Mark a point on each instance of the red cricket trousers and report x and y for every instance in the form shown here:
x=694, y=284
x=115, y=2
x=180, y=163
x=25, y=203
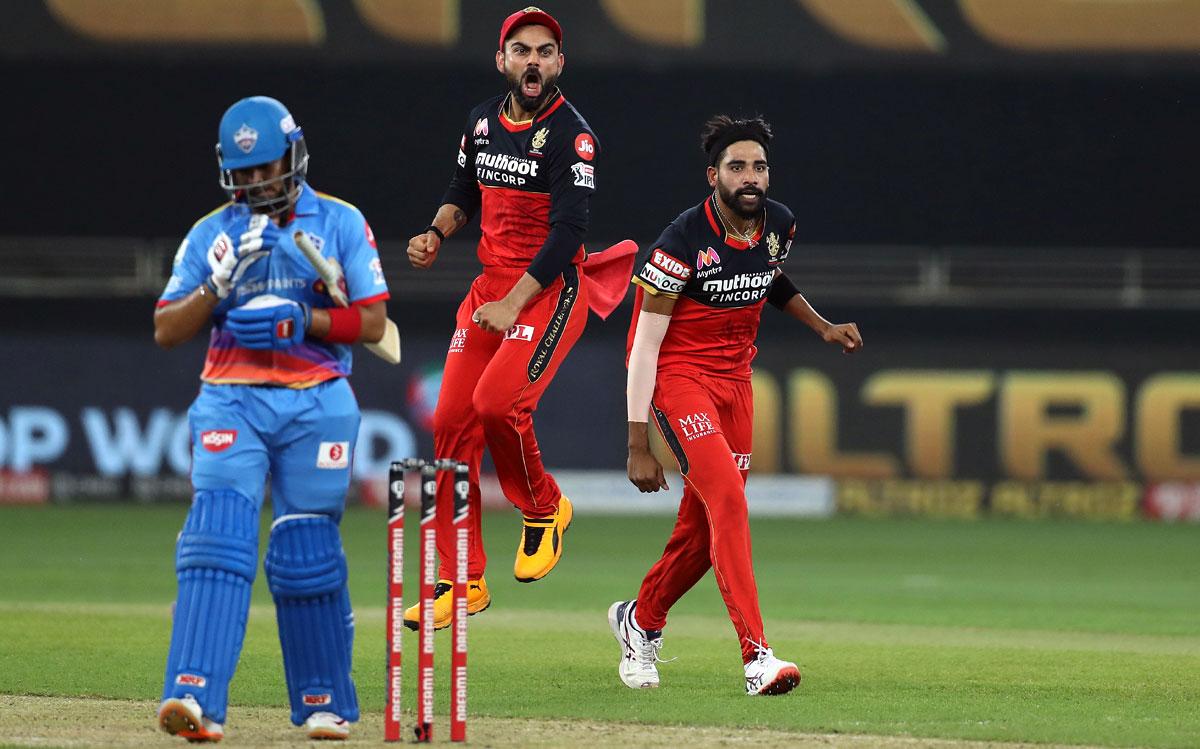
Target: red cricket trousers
x=708, y=423
x=490, y=388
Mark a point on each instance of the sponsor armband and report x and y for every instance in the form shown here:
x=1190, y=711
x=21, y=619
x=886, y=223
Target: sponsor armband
x=664, y=274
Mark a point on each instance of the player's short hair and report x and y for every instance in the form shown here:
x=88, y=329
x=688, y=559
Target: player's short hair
x=722, y=130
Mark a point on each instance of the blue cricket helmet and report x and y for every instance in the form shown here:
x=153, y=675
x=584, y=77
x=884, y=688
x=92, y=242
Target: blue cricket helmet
x=258, y=130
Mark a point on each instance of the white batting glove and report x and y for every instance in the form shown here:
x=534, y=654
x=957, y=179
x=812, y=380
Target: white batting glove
x=229, y=264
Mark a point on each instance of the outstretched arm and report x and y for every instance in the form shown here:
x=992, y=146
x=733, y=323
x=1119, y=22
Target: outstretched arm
x=788, y=298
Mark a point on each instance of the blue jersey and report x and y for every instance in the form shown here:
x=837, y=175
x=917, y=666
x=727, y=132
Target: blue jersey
x=338, y=230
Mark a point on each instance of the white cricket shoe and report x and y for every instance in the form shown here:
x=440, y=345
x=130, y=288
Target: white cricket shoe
x=767, y=674
x=639, y=648
x=182, y=716
x=326, y=726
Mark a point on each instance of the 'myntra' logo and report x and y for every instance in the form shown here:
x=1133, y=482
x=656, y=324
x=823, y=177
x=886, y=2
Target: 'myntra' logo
x=706, y=258
x=481, y=127
x=216, y=440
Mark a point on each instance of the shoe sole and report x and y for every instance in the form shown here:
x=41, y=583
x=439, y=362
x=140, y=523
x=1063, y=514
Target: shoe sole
x=176, y=720
x=327, y=734
x=414, y=626
x=562, y=537
x=785, y=681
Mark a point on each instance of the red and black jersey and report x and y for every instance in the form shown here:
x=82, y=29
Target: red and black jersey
x=532, y=181
x=719, y=282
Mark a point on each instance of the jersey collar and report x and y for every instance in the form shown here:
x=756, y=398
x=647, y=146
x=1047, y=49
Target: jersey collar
x=307, y=204
x=710, y=211
x=554, y=102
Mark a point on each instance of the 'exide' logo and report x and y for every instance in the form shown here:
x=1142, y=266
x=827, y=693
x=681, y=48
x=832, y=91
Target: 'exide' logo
x=216, y=440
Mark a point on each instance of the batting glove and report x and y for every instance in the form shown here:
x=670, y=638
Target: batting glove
x=229, y=264
x=274, y=324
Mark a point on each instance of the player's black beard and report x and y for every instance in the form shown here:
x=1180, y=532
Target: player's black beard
x=730, y=198
x=524, y=102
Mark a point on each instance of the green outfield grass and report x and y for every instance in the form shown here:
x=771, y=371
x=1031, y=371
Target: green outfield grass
x=1005, y=630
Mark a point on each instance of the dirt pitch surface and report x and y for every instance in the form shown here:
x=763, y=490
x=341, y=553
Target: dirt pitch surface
x=83, y=722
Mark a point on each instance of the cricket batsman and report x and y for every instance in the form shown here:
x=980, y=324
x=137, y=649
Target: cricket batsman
x=526, y=165
x=274, y=402
x=701, y=290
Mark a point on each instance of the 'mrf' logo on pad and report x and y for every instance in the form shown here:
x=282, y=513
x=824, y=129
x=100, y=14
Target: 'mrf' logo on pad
x=216, y=440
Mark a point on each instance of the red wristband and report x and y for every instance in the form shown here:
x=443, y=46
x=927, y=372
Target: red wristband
x=345, y=324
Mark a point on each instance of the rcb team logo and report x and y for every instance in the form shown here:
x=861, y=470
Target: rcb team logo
x=539, y=138
x=245, y=138
x=773, y=245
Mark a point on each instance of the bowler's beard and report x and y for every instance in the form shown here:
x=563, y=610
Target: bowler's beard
x=549, y=85
x=731, y=199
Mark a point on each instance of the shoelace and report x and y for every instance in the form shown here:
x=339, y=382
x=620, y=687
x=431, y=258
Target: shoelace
x=647, y=654
x=761, y=652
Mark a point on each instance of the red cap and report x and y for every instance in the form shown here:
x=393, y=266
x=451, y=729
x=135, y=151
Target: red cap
x=528, y=17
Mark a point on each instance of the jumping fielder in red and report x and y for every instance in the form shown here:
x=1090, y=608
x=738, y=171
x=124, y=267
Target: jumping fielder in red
x=702, y=286
x=526, y=163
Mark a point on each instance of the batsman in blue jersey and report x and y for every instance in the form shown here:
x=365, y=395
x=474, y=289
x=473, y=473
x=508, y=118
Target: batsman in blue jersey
x=274, y=404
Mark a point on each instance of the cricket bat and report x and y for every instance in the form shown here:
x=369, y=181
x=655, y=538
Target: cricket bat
x=388, y=347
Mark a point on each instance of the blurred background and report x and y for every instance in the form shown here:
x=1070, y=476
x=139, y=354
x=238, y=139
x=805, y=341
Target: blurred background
x=1001, y=193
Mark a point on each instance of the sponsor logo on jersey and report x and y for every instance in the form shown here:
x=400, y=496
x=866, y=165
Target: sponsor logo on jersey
x=500, y=167
x=376, y=270
x=585, y=175
x=216, y=440
x=742, y=461
x=670, y=265
x=462, y=156
x=480, y=133
x=370, y=234
x=333, y=455
x=744, y=287
x=741, y=281
x=191, y=680
x=585, y=146
x=318, y=699
x=707, y=257
x=519, y=333
x=245, y=137
x=458, y=341
x=697, y=425
x=652, y=275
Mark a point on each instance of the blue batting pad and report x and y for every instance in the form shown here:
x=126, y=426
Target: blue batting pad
x=306, y=569
x=215, y=561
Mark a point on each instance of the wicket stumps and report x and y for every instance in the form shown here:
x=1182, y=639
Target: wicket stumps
x=428, y=582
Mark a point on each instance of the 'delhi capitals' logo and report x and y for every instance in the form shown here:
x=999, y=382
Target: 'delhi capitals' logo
x=245, y=138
